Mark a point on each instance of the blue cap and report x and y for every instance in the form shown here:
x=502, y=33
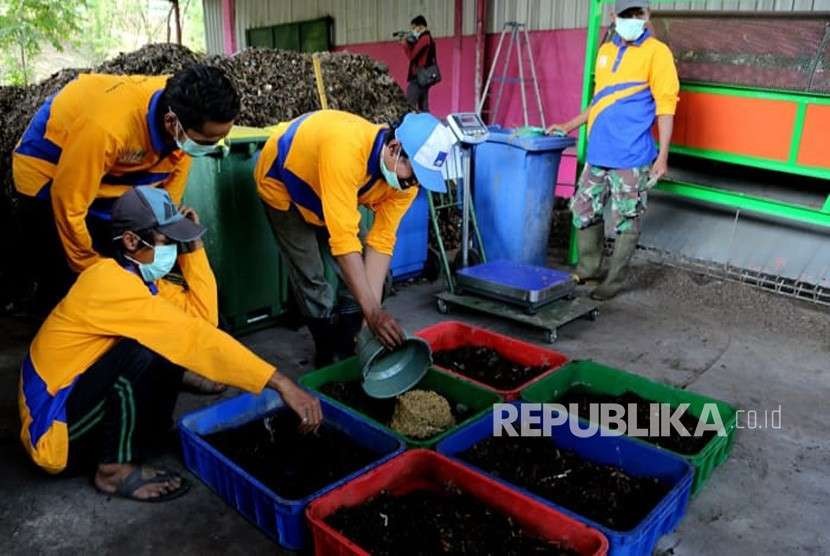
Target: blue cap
x=427, y=142
x=151, y=208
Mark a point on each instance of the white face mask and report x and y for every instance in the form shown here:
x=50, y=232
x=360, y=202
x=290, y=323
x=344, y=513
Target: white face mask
x=630, y=29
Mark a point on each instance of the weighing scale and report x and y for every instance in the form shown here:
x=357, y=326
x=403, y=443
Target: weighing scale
x=533, y=295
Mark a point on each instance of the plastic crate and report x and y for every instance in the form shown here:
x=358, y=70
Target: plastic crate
x=279, y=518
x=453, y=334
x=423, y=469
x=635, y=458
x=454, y=389
x=607, y=380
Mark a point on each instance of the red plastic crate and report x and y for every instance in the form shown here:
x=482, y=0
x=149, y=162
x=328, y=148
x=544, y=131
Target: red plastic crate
x=418, y=469
x=453, y=334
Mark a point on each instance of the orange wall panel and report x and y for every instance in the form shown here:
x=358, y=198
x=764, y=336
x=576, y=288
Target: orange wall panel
x=738, y=125
x=815, y=141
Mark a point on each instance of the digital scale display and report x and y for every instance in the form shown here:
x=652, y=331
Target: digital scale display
x=468, y=127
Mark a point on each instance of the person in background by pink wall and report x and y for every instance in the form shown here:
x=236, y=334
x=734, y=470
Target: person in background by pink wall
x=420, y=51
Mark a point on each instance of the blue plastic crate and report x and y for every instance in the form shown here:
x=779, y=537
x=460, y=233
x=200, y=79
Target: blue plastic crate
x=410, y=253
x=281, y=519
x=635, y=458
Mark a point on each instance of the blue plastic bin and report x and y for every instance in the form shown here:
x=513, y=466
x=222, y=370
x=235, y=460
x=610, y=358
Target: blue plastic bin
x=281, y=519
x=634, y=458
x=410, y=253
x=513, y=185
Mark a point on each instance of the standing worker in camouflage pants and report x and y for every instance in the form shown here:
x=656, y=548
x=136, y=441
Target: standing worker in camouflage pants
x=636, y=83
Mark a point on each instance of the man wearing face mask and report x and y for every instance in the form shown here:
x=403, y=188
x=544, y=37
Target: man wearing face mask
x=636, y=84
x=312, y=175
x=99, y=382
x=102, y=135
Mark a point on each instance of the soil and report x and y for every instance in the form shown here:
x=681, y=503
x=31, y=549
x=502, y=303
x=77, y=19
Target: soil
x=436, y=522
x=488, y=366
x=351, y=394
x=422, y=414
x=687, y=445
x=292, y=464
x=602, y=493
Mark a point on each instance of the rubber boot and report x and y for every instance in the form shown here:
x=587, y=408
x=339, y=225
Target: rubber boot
x=590, y=241
x=624, y=248
x=324, y=333
x=345, y=343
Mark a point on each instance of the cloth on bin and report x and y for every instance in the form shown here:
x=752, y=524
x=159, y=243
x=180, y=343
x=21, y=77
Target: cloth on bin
x=628, y=190
x=421, y=414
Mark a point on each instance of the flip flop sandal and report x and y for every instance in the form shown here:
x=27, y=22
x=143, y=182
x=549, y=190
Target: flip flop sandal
x=134, y=481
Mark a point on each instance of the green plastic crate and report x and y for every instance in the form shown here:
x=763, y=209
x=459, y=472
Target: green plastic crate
x=454, y=389
x=606, y=380
x=252, y=281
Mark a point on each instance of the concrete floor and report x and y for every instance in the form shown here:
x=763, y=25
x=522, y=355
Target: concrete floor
x=747, y=347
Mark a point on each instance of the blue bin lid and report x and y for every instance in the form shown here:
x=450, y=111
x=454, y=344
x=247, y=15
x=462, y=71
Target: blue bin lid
x=508, y=136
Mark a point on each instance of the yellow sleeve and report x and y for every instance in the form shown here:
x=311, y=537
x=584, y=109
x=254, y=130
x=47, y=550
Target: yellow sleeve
x=122, y=306
x=664, y=82
x=87, y=155
x=198, y=298
x=340, y=178
x=388, y=215
x=177, y=181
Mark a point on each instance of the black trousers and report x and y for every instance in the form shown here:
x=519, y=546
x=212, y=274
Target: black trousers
x=120, y=405
x=417, y=96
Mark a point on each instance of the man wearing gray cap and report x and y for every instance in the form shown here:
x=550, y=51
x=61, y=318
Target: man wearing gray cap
x=635, y=84
x=101, y=377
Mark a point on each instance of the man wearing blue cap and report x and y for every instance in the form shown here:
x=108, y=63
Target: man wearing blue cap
x=312, y=175
x=101, y=377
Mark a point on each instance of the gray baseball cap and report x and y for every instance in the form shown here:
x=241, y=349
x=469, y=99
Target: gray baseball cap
x=621, y=5
x=150, y=208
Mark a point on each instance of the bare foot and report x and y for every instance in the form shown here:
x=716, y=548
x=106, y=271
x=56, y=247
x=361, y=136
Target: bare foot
x=111, y=475
x=196, y=384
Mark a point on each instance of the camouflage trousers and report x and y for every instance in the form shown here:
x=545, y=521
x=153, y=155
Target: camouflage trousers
x=627, y=189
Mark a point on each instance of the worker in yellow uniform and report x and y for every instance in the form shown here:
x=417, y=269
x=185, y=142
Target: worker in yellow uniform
x=100, y=378
x=312, y=175
x=636, y=87
x=101, y=135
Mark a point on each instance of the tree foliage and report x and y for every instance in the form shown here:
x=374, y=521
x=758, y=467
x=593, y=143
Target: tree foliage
x=27, y=25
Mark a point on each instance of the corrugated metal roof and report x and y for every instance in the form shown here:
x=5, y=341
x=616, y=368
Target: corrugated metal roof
x=359, y=21
x=214, y=41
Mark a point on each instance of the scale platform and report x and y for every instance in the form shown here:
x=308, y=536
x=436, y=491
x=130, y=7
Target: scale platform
x=530, y=287
x=549, y=318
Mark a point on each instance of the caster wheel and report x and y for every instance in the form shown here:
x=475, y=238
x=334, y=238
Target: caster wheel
x=442, y=307
x=593, y=315
x=551, y=336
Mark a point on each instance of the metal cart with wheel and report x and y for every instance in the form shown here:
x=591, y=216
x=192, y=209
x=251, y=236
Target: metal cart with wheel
x=534, y=296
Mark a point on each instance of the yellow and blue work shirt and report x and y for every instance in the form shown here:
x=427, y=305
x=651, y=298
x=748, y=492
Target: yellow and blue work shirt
x=634, y=83
x=327, y=163
x=109, y=302
x=94, y=139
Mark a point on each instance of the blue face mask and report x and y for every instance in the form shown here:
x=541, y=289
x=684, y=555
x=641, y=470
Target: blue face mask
x=190, y=146
x=390, y=176
x=164, y=257
x=630, y=29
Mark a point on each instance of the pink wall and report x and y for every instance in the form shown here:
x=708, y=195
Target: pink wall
x=559, y=59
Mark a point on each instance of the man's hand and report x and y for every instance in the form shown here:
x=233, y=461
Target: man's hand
x=385, y=328
x=190, y=212
x=560, y=129
x=658, y=169
x=306, y=406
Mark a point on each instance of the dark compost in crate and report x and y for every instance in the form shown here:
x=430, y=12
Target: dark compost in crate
x=436, y=522
x=486, y=365
x=292, y=464
x=686, y=445
x=602, y=493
